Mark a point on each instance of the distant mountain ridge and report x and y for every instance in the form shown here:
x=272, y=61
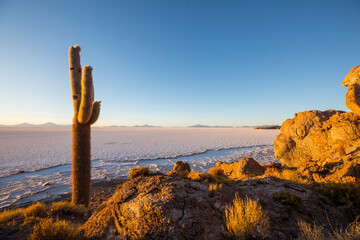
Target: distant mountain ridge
x=43, y=125
x=206, y=126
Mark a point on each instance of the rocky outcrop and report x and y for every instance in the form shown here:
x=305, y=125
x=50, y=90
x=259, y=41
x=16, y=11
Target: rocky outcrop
x=163, y=207
x=315, y=136
x=352, y=81
x=160, y=207
x=238, y=169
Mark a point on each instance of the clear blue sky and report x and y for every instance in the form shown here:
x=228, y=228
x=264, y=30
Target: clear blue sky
x=178, y=63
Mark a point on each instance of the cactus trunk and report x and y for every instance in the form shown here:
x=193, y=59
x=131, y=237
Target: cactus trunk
x=86, y=112
x=81, y=163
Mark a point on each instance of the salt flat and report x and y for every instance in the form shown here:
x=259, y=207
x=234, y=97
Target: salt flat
x=36, y=162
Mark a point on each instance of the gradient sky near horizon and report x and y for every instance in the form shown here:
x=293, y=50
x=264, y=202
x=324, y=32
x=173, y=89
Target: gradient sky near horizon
x=178, y=63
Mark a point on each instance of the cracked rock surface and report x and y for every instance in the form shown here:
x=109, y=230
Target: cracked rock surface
x=163, y=207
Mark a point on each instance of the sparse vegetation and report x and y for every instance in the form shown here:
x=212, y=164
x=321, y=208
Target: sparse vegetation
x=213, y=188
x=245, y=218
x=195, y=176
x=310, y=232
x=35, y=210
x=351, y=232
x=139, y=171
x=315, y=232
x=343, y=193
x=218, y=172
x=59, y=230
x=9, y=215
x=67, y=208
x=287, y=174
x=214, y=176
x=287, y=198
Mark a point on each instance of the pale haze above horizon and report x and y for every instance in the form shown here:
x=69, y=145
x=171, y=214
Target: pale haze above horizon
x=178, y=63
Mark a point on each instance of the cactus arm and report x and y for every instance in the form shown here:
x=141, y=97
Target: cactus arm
x=353, y=98
x=75, y=76
x=87, y=96
x=95, y=113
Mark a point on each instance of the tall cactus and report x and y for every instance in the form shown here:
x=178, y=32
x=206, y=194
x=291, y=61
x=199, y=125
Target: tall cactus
x=86, y=112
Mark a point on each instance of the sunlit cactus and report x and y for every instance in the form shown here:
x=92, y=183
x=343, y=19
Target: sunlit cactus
x=86, y=112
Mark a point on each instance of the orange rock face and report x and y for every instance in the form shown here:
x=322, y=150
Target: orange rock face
x=315, y=136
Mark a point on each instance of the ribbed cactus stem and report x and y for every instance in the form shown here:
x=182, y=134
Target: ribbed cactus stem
x=86, y=112
x=81, y=163
x=87, y=95
x=96, y=112
x=75, y=76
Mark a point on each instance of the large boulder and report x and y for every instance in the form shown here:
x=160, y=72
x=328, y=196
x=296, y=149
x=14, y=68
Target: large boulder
x=316, y=136
x=164, y=207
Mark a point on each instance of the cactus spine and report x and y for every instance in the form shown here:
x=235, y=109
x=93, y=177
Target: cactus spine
x=86, y=112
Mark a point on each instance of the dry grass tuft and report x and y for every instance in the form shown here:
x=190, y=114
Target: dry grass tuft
x=31, y=221
x=245, y=219
x=58, y=230
x=139, y=171
x=310, y=232
x=213, y=188
x=9, y=215
x=287, y=174
x=352, y=232
x=288, y=199
x=315, y=232
x=35, y=210
x=67, y=208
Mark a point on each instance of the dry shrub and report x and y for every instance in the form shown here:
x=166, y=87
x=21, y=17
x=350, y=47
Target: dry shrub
x=214, y=176
x=218, y=172
x=351, y=232
x=139, y=171
x=315, y=232
x=31, y=221
x=151, y=221
x=287, y=174
x=245, y=219
x=9, y=215
x=310, y=232
x=183, y=175
x=344, y=193
x=213, y=188
x=195, y=176
x=58, y=230
x=35, y=210
x=288, y=199
x=67, y=208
